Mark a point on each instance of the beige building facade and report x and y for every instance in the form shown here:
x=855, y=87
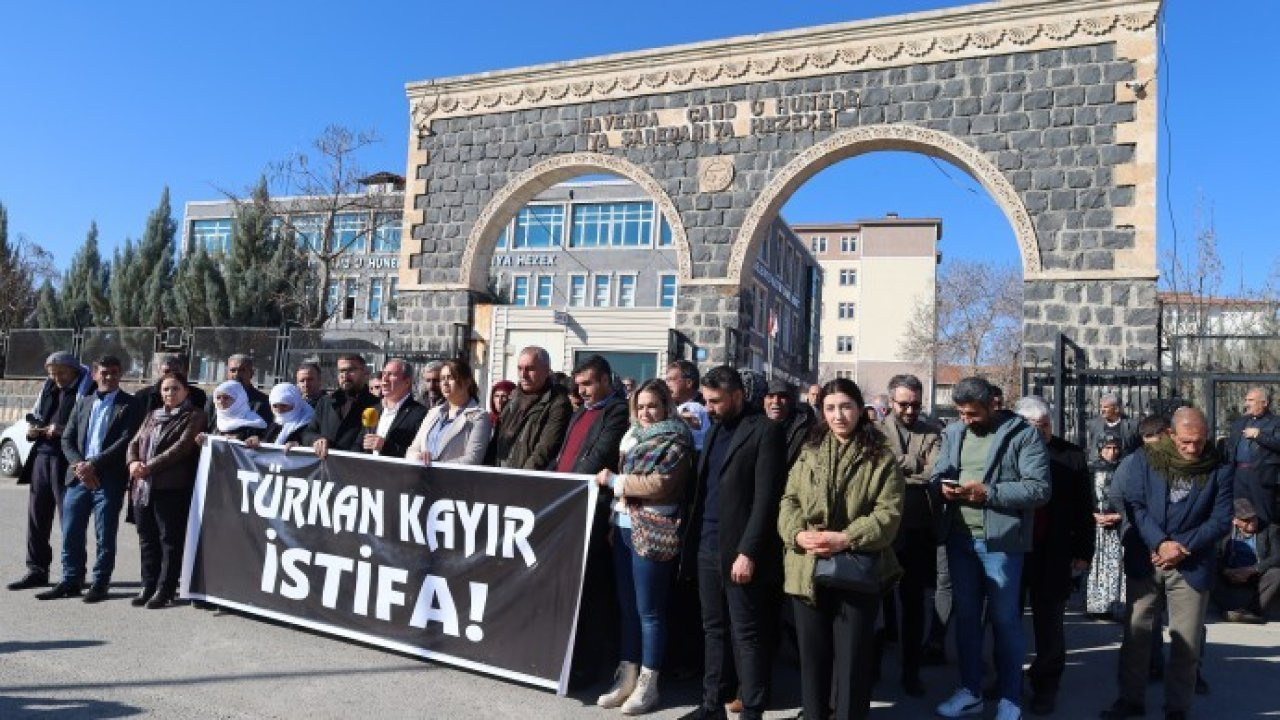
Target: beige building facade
x=876, y=272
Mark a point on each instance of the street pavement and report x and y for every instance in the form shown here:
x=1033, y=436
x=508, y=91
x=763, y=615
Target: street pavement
x=64, y=659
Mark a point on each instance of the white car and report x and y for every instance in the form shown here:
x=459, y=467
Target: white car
x=15, y=448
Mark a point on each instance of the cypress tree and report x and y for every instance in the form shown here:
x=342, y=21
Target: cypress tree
x=83, y=297
x=49, y=312
x=154, y=263
x=123, y=287
x=251, y=280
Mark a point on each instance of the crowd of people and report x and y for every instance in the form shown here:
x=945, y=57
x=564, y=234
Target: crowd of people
x=737, y=520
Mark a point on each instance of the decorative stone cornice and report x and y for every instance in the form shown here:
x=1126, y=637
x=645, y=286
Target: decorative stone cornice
x=965, y=32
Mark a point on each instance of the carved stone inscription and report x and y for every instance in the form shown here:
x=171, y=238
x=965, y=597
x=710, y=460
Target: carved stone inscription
x=722, y=121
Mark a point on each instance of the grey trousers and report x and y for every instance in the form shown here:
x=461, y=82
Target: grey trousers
x=1187, y=608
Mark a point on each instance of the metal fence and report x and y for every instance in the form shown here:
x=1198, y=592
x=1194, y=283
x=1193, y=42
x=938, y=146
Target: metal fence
x=1074, y=390
x=27, y=349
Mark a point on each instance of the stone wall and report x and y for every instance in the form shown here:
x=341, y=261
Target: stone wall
x=1046, y=121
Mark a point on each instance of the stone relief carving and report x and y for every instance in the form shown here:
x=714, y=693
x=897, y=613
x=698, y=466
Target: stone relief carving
x=847, y=143
x=715, y=174
x=505, y=199
x=810, y=62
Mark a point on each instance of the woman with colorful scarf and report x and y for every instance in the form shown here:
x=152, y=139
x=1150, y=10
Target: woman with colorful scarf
x=844, y=493
x=1104, y=588
x=162, y=460
x=657, y=460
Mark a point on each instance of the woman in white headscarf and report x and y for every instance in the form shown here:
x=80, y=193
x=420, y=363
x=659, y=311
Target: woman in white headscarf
x=233, y=418
x=292, y=415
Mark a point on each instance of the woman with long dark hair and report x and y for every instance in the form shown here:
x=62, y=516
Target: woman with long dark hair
x=844, y=494
x=162, y=460
x=657, y=460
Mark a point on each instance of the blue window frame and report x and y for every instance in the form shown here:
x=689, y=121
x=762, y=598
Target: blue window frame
x=619, y=224
x=545, y=285
x=520, y=290
x=375, y=299
x=626, y=291
x=213, y=234
x=577, y=290
x=309, y=229
x=602, y=291
x=539, y=226
x=348, y=232
x=386, y=232
x=664, y=233
x=667, y=291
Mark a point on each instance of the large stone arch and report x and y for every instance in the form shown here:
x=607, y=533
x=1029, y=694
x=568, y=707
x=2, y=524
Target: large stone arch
x=1050, y=104
x=858, y=141
x=528, y=184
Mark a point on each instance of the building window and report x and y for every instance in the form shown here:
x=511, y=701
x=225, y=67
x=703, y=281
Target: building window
x=849, y=244
x=213, y=235
x=600, y=295
x=667, y=291
x=762, y=306
x=848, y=277
x=846, y=311
x=386, y=232
x=375, y=299
x=348, y=232
x=620, y=224
x=349, y=302
x=502, y=237
x=545, y=285
x=578, y=290
x=393, y=298
x=331, y=298
x=539, y=226
x=845, y=374
x=818, y=244
x=308, y=230
x=520, y=290
x=844, y=343
x=664, y=233
x=626, y=291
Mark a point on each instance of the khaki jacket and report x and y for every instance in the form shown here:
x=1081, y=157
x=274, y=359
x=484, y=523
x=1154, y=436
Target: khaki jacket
x=855, y=494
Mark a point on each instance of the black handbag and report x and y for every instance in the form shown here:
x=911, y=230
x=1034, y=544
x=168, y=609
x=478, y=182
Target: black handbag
x=849, y=571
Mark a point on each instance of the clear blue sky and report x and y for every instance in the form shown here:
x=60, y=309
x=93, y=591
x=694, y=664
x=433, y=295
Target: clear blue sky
x=106, y=103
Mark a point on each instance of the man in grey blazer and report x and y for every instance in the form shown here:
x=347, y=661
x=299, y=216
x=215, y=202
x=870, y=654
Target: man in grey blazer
x=94, y=443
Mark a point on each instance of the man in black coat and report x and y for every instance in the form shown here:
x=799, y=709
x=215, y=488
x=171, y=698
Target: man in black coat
x=337, y=422
x=169, y=365
x=733, y=532
x=1111, y=420
x=1254, y=449
x=399, y=415
x=46, y=468
x=94, y=443
x=591, y=443
x=780, y=406
x=1063, y=544
x=240, y=369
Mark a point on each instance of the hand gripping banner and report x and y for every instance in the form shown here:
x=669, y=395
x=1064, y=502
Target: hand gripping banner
x=471, y=566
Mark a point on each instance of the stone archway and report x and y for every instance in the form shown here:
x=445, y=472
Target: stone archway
x=525, y=186
x=871, y=138
x=1050, y=104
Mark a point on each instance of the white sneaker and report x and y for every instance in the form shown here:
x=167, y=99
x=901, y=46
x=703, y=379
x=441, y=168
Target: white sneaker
x=1008, y=710
x=624, y=682
x=645, y=697
x=962, y=704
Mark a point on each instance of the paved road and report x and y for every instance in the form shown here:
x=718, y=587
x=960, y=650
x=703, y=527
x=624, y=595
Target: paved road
x=65, y=659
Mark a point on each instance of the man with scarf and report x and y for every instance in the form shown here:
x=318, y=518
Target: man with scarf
x=1177, y=495
x=47, y=469
x=591, y=444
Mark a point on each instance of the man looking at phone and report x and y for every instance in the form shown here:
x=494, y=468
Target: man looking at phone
x=992, y=472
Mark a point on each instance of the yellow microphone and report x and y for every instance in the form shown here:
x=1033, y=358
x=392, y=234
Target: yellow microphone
x=369, y=419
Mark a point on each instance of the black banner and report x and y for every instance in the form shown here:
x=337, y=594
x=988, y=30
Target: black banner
x=471, y=566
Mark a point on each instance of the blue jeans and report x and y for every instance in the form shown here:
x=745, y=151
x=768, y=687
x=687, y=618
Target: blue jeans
x=996, y=577
x=643, y=586
x=78, y=504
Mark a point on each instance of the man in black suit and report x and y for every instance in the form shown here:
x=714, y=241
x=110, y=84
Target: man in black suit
x=590, y=445
x=1062, y=544
x=739, y=555
x=46, y=467
x=97, y=436
x=399, y=415
x=1254, y=448
x=336, y=424
x=240, y=369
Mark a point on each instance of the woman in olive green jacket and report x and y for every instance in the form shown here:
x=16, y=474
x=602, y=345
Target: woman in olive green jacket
x=843, y=493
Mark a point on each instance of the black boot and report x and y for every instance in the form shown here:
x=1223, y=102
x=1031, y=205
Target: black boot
x=32, y=579
x=160, y=599
x=97, y=592
x=64, y=589
x=141, y=598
